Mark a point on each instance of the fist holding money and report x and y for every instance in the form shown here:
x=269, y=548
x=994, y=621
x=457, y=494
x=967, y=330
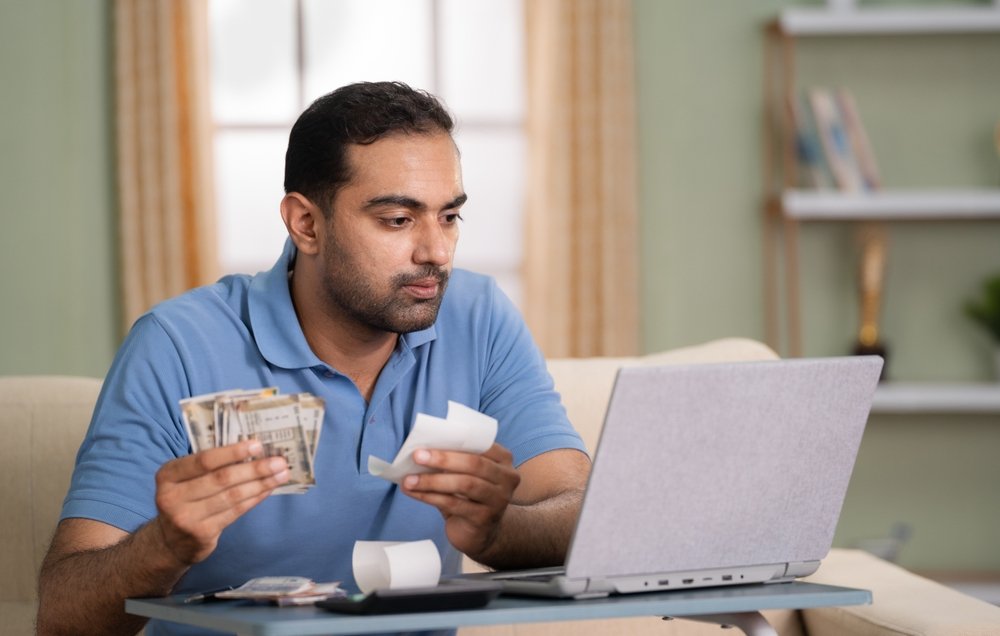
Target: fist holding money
x=286, y=425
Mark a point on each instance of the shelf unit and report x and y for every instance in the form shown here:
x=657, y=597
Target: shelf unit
x=919, y=397
x=891, y=205
x=889, y=21
x=785, y=207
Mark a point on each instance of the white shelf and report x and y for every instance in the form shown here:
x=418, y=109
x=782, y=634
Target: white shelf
x=828, y=205
x=883, y=21
x=917, y=397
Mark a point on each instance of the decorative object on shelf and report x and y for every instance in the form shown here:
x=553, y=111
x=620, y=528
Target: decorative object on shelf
x=985, y=310
x=871, y=274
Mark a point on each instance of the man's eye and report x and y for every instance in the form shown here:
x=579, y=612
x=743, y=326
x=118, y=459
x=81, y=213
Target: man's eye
x=453, y=218
x=397, y=221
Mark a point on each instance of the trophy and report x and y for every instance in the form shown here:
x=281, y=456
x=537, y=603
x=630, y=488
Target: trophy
x=871, y=272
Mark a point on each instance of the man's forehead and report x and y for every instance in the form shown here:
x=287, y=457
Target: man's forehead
x=415, y=171
x=399, y=155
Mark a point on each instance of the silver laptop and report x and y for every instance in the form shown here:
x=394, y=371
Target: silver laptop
x=715, y=474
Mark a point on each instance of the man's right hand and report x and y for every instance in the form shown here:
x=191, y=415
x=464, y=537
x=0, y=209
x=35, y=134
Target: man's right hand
x=199, y=495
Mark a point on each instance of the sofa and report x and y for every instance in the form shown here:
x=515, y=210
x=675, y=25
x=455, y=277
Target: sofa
x=43, y=419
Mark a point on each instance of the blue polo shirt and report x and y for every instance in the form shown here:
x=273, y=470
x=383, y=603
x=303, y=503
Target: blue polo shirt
x=242, y=332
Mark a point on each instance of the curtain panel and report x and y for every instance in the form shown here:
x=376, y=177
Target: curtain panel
x=581, y=244
x=164, y=162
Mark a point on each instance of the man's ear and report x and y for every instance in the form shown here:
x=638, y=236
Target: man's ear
x=302, y=220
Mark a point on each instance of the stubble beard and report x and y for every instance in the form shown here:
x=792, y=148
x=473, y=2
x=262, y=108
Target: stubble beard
x=394, y=311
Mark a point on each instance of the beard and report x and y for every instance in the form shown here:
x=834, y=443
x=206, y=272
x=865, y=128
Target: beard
x=394, y=310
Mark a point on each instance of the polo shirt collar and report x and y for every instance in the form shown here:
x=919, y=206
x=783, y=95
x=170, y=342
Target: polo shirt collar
x=276, y=327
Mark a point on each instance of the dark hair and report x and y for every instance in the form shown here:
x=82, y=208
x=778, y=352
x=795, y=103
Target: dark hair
x=362, y=113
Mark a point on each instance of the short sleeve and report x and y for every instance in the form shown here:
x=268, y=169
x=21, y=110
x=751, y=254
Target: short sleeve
x=518, y=389
x=135, y=429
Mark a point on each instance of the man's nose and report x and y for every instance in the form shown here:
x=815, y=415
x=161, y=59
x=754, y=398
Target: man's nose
x=434, y=244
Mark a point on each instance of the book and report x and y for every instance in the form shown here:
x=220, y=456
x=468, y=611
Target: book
x=835, y=142
x=813, y=169
x=858, y=136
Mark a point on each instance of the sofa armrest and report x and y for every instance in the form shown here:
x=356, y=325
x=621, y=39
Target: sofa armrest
x=903, y=603
x=42, y=421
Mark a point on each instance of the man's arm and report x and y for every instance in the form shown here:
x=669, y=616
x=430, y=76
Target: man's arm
x=503, y=517
x=92, y=567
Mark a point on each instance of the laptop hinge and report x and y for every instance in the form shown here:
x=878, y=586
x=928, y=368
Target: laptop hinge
x=801, y=568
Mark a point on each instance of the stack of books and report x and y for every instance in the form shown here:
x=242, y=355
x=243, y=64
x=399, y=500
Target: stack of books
x=833, y=148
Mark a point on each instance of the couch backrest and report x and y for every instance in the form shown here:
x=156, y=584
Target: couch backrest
x=585, y=383
x=42, y=421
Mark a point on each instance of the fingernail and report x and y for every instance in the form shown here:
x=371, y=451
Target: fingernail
x=278, y=464
x=255, y=447
x=421, y=456
x=410, y=481
x=281, y=477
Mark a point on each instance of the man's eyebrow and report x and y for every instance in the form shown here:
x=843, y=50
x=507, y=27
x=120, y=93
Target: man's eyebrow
x=457, y=202
x=403, y=201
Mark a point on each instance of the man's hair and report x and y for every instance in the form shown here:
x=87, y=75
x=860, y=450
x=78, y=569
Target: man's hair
x=316, y=161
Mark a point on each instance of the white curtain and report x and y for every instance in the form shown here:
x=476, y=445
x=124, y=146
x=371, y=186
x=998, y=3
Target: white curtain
x=167, y=225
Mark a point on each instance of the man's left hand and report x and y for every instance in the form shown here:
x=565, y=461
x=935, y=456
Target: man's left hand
x=472, y=492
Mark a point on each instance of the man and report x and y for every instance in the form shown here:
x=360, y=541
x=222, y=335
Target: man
x=356, y=312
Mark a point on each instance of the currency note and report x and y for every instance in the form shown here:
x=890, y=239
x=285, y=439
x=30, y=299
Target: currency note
x=275, y=422
x=311, y=409
x=287, y=425
x=198, y=413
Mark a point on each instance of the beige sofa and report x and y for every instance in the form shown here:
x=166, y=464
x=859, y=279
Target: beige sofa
x=42, y=420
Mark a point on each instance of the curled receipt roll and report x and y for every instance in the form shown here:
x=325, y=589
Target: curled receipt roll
x=394, y=564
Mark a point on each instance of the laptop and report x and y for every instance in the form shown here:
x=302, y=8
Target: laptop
x=713, y=475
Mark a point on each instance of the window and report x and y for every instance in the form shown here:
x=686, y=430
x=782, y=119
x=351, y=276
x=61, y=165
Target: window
x=271, y=58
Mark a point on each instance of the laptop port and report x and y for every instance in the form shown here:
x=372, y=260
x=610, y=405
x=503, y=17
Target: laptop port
x=727, y=577
x=663, y=582
x=687, y=581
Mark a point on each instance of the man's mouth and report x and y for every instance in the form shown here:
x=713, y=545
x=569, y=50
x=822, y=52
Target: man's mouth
x=425, y=287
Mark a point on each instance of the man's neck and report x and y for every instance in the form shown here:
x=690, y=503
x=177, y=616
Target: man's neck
x=355, y=350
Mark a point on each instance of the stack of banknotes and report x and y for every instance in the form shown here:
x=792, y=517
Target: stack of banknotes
x=286, y=425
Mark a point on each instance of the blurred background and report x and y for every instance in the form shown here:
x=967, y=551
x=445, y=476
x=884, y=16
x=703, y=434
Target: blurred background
x=685, y=210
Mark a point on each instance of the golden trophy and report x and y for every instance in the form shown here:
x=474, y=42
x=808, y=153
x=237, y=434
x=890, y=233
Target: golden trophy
x=871, y=273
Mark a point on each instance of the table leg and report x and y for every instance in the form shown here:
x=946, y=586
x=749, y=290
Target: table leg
x=752, y=623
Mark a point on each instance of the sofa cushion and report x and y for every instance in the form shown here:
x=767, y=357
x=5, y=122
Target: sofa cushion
x=903, y=603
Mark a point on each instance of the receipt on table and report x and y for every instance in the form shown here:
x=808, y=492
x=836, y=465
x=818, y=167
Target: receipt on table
x=394, y=564
x=464, y=429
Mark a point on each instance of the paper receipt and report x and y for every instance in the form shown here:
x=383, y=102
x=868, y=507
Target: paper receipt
x=464, y=429
x=394, y=564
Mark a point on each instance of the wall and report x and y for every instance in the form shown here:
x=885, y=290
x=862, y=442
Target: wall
x=57, y=288
x=930, y=104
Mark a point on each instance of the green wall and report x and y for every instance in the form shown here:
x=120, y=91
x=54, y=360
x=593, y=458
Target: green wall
x=58, y=311
x=930, y=104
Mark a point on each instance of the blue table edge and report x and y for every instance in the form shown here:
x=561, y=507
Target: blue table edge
x=265, y=620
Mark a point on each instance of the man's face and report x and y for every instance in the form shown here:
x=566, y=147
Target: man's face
x=392, y=234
